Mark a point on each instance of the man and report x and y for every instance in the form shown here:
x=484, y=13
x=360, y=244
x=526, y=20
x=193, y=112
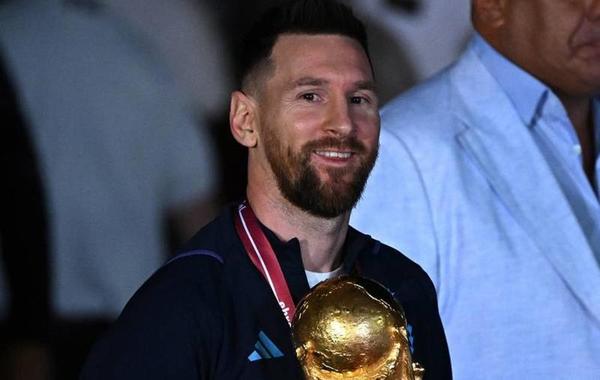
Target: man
x=308, y=115
x=488, y=177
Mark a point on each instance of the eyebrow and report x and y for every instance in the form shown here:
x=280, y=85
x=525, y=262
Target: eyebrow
x=311, y=81
x=366, y=85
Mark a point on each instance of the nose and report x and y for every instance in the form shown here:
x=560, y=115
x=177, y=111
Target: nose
x=339, y=118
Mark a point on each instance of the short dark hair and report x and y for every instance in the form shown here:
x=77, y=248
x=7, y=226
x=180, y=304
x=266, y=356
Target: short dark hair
x=297, y=17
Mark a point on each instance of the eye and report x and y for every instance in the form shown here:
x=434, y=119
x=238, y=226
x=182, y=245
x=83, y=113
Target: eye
x=359, y=100
x=310, y=97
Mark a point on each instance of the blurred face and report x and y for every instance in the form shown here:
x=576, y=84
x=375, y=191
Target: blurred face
x=558, y=41
x=319, y=122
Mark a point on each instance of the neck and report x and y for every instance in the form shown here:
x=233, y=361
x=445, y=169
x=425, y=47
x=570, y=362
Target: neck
x=320, y=239
x=579, y=109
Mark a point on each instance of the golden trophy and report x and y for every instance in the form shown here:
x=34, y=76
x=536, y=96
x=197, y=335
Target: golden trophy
x=352, y=328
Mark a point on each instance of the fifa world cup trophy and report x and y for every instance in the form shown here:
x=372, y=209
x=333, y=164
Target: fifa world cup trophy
x=353, y=328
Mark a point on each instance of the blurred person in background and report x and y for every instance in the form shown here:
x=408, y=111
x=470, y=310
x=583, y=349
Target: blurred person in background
x=488, y=178
x=118, y=152
x=190, y=39
x=195, y=38
x=187, y=34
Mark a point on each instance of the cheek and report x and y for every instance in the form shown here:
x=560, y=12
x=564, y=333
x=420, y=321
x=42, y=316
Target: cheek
x=302, y=113
x=549, y=52
x=304, y=127
x=368, y=125
x=303, y=110
x=288, y=125
x=557, y=31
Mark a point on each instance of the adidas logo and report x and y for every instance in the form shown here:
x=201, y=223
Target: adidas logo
x=264, y=348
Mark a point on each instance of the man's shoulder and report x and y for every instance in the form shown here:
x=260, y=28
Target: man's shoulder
x=216, y=240
x=420, y=117
x=387, y=260
x=434, y=107
x=197, y=267
x=420, y=101
x=174, y=315
x=403, y=277
x=399, y=261
x=431, y=91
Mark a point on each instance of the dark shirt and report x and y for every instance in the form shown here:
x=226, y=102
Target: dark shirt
x=209, y=314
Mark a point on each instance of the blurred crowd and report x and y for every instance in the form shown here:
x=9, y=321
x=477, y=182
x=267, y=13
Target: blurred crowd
x=116, y=147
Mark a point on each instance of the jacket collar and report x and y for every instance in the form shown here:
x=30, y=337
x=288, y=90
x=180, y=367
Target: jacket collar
x=525, y=92
x=290, y=258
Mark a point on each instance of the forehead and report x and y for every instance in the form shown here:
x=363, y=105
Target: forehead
x=322, y=55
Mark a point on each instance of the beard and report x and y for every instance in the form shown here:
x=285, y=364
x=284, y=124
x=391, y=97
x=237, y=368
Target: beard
x=299, y=181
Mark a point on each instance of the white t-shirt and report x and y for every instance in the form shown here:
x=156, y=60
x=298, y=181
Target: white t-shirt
x=315, y=277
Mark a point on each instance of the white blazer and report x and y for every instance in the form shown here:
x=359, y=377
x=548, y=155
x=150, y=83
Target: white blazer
x=461, y=187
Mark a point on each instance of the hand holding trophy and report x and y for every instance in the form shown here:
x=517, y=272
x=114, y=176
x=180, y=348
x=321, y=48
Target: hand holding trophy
x=352, y=328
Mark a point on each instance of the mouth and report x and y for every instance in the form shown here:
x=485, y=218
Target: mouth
x=590, y=51
x=334, y=154
x=587, y=43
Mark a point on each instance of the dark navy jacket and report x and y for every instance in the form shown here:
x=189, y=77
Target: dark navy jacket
x=209, y=314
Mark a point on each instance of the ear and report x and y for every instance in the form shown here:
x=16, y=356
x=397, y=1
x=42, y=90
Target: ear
x=242, y=119
x=489, y=13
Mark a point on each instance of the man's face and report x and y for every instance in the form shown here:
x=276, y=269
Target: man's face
x=558, y=41
x=319, y=121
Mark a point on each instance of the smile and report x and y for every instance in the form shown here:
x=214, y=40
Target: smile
x=333, y=154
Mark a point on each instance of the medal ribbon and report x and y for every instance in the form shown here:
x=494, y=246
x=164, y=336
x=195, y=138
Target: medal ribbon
x=263, y=257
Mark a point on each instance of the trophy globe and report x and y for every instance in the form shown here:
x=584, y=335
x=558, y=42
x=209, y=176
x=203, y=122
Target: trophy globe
x=352, y=328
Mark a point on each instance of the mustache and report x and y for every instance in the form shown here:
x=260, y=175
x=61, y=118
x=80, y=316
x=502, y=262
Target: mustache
x=347, y=143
